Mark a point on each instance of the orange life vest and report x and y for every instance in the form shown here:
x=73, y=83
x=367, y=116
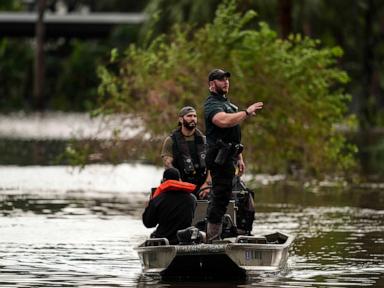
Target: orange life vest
x=174, y=185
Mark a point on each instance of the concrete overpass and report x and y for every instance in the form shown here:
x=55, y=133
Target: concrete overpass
x=92, y=25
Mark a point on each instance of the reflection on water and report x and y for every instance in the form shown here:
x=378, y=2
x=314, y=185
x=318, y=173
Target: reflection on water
x=67, y=238
x=68, y=252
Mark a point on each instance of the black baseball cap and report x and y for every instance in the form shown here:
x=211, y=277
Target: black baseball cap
x=218, y=74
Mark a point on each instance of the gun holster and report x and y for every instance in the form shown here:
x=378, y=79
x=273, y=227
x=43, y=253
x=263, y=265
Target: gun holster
x=227, y=151
x=223, y=154
x=238, y=148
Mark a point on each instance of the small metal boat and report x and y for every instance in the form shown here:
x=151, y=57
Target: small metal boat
x=230, y=258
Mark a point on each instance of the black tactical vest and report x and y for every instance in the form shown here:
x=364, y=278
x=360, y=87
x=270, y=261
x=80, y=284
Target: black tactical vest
x=189, y=157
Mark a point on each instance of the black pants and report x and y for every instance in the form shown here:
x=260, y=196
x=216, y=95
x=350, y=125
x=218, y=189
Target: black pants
x=222, y=176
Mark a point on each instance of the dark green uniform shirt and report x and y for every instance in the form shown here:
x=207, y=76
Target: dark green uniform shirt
x=214, y=104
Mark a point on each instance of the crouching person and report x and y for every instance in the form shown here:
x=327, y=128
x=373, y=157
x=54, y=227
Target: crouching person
x=171, y=207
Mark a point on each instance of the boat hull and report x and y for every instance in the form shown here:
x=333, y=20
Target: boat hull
x=232, y=258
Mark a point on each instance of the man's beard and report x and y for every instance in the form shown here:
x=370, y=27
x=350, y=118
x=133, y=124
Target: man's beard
x=189, y=125
x=221, y=91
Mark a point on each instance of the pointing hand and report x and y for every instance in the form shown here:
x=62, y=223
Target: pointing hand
x=254, y=107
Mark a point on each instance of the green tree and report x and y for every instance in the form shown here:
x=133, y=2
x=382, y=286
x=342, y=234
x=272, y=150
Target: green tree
x=10, y=5
x=356, y=26
x=71, y=79
x=298, y=81
x=165, y=13
x=353, y=25
x=16, y=58
x=75, y=78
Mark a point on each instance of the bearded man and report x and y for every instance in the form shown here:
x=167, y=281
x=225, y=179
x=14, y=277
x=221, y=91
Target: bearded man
x=224, y=153
x=185, y=149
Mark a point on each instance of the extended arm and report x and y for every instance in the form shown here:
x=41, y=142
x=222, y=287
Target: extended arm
x=226, y=120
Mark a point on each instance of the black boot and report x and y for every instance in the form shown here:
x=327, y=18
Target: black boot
x=213, y=231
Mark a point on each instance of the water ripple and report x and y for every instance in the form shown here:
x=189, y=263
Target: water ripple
x=88, y=242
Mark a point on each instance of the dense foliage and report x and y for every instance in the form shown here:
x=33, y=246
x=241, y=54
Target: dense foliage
x=70, y=64
x=16, y=58
x=297, y=80
x=356, y=26
x=353, y=25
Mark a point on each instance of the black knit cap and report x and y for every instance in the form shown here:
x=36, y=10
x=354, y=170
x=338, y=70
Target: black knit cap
x=218, y=74
x=171, y=174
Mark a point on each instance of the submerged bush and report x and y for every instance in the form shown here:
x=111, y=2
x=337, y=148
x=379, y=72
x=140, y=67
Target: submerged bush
x=297, y=79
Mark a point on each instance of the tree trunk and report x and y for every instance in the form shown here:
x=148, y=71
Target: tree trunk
x=39, y=57
x=369, y=107
x=285, y=17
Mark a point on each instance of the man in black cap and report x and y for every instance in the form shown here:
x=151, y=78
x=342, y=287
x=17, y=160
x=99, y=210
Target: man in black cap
x=185, y=149
x=224, y=156
x=171, y=207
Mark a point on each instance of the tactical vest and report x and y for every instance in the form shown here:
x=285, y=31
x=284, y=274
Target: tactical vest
x=189, y=157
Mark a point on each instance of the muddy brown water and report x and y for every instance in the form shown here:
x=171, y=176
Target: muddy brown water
x=84, y=239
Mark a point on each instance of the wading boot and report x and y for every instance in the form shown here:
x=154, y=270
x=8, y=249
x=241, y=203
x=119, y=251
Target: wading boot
x=213, y=231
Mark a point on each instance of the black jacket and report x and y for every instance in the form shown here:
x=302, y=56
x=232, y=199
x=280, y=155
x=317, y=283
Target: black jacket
x=172, y=211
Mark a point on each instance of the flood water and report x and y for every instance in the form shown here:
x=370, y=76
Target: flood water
x=62, y=228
